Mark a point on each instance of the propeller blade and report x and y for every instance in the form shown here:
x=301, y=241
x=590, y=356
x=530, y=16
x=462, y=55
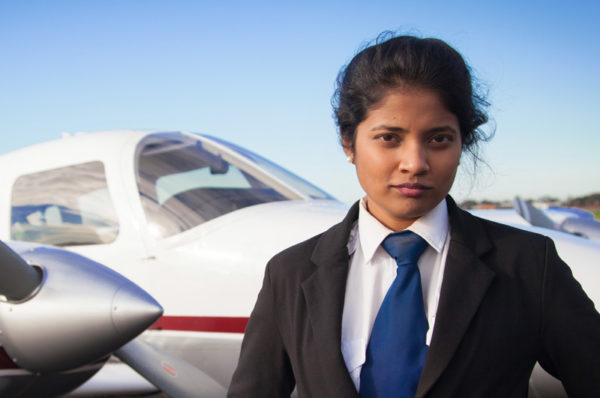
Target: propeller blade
x=171, y=374
x=19, y=279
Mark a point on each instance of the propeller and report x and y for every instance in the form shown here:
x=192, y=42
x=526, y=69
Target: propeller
x=97, y=309
x=101, y=310
x=171, y=374
x=19, y=280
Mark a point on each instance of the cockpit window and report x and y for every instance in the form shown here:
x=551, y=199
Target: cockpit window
x=279, y=172
x=184, y=182
x=64, y=207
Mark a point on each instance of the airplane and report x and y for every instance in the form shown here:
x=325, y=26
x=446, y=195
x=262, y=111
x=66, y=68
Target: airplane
x=192, y=219
x=575, y=221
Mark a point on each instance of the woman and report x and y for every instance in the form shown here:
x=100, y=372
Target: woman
x=489, y=300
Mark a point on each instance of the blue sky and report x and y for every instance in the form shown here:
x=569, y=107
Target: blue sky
x=261, y=74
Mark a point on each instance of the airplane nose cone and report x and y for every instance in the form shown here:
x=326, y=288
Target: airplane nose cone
x=133, y=310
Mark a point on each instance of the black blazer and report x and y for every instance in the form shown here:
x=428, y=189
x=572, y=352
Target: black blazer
x=507, y=301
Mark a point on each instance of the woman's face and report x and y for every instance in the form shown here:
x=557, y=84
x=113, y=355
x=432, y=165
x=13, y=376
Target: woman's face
x=406, y=153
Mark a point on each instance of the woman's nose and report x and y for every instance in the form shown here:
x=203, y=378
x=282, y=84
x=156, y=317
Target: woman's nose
x=413, y=158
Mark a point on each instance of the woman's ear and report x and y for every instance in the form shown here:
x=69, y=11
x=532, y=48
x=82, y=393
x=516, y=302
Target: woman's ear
x=348, y=150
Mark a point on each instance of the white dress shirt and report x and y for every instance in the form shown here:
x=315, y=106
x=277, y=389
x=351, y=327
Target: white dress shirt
x=372, y=271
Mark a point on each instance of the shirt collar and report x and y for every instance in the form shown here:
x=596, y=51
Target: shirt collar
x=433, y=227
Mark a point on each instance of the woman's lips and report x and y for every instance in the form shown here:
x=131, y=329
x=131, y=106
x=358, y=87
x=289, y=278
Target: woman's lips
x=412, y=190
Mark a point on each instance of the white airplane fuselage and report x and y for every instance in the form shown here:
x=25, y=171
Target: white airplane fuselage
x=206, y=277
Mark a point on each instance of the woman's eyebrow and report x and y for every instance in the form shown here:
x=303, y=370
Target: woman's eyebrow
x=441, y=129
x=397, y=129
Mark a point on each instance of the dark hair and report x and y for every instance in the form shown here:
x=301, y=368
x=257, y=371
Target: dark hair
x=408, y=61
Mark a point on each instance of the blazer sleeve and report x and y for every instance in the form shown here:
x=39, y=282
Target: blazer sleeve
x=570, y=329
x=264, y=368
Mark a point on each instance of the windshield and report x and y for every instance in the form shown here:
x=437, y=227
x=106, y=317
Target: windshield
x=279, y=172
x=184, y=182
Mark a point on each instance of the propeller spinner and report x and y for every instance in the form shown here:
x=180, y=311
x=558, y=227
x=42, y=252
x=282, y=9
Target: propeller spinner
x=77, y=312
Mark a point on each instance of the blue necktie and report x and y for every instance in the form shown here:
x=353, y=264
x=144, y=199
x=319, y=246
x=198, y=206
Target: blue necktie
x=396, y=351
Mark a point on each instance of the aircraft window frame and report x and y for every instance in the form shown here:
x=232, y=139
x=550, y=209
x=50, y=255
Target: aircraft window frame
x=188, y=208
x=64, y=206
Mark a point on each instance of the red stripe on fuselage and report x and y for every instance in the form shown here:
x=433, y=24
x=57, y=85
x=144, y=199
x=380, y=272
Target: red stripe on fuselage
x=202, y=324
x=6, y=362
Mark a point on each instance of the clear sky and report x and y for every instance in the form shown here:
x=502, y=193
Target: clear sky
x=261, y=74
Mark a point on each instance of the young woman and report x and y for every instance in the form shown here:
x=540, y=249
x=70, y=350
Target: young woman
x=458, y=306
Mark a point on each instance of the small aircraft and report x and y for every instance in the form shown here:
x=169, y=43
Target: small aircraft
x=575, y=221
x=192, y=219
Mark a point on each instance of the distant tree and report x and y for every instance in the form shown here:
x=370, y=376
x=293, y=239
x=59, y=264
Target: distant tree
x=468, y=204
x=549, y=199
x=592, y=200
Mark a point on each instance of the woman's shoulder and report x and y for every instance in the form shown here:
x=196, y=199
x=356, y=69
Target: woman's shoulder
x=298, y=252
x=328, y=246
x=510, y=234
x=474, y=227
x=504, y=248
x=287, y=269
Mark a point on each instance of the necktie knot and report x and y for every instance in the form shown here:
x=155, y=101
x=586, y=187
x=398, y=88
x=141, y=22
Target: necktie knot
x=405, y=247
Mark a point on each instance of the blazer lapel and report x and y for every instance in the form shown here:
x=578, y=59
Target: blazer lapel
x=324, y=293
x=466, y=280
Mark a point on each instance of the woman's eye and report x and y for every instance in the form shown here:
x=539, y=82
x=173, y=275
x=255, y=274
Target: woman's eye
x=442, y=138
x=388, y=138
